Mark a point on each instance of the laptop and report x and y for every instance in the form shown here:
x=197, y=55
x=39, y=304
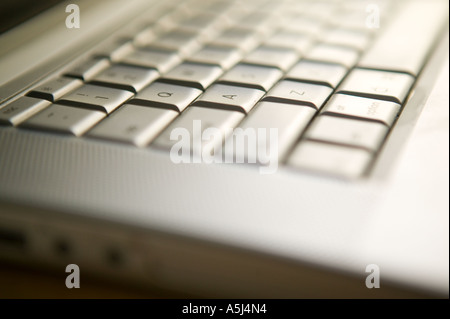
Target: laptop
x=228, y=148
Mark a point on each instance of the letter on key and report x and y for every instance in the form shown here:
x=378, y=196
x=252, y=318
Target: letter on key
x=382, y=85
x=230, y=97
x=299, y=93
x=21, y=109
x=166, y=95
x=97, y=98
x=362, y=108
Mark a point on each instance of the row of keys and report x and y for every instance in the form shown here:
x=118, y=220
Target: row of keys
x=108, y=99
x=351, y=126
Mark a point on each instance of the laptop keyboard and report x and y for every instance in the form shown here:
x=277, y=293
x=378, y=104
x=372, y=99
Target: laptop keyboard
x=320, y=72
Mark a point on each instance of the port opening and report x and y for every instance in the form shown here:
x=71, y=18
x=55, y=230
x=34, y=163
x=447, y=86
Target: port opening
x=12, y=238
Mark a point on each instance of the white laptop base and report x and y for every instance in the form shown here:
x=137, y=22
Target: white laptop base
x=222, y=230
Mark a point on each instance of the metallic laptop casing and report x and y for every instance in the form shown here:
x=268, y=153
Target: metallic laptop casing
x=221, y=230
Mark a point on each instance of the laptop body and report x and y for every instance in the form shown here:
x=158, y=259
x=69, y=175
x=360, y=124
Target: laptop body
x=220, y=230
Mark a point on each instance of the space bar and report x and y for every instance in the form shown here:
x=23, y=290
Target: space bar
x=404, y=44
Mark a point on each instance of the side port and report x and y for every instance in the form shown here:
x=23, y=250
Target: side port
x=12, y=238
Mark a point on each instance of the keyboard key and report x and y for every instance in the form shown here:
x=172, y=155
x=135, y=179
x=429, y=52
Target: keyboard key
x=126, y=77
x=88, y=69
x=97, y=98
x=160, y=60
x=304, y=25
x=290, y=40
x=257, y=77
x=199, y=21
x=230, y=97
x=333, y=54
x=144, y=36
x=346, y=37
x=240, y=38
x=54, y=89
x=133, y=124
x=368, y=135
x=21, y=109
x=404, y=44
x=168, y=96
x=261, y=22
x=289, y=121
x=204, y=24
x=114, y=49
x=340, y=161
x=183, y=42
x=299, y=93
x=195, y=120
x=65, y=119
x=279, y=58
x=316, y=72
x=322, y=11
x=216, y=6
x=221, y=56
x=194, y=75
x=382, y=85
x=362, y=108
x=356, y=19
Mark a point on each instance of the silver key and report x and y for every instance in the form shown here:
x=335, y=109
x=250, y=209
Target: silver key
x=194, y=75
x=299, y=93
x=21, y=109
x=160, y=60
x=363, y=108
x=198, y=21
x=230, y=97
x=88, y=69
x=290, y=40
x=240, y=38
x=289, y=121
x=216, y=6
x=346, y=37
x=315, y=72
x=355, y=19
x=206, y=24
x=195, y=120
x=133, y=124
x=115, y=49
x=321, y=11
x=262, y=22
x=368, y=135
x=183, y=42
x=145, y=36
x=65, y=119
x=340, y=161
x=97, y=98
x=54, y=89
x=126, y=77
x=221, y=56
x=258, y=77
x=383, y=85
x=274, y=57
x=333, y=54
x=304, y=25
x=168, y=96
x=404, y=44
